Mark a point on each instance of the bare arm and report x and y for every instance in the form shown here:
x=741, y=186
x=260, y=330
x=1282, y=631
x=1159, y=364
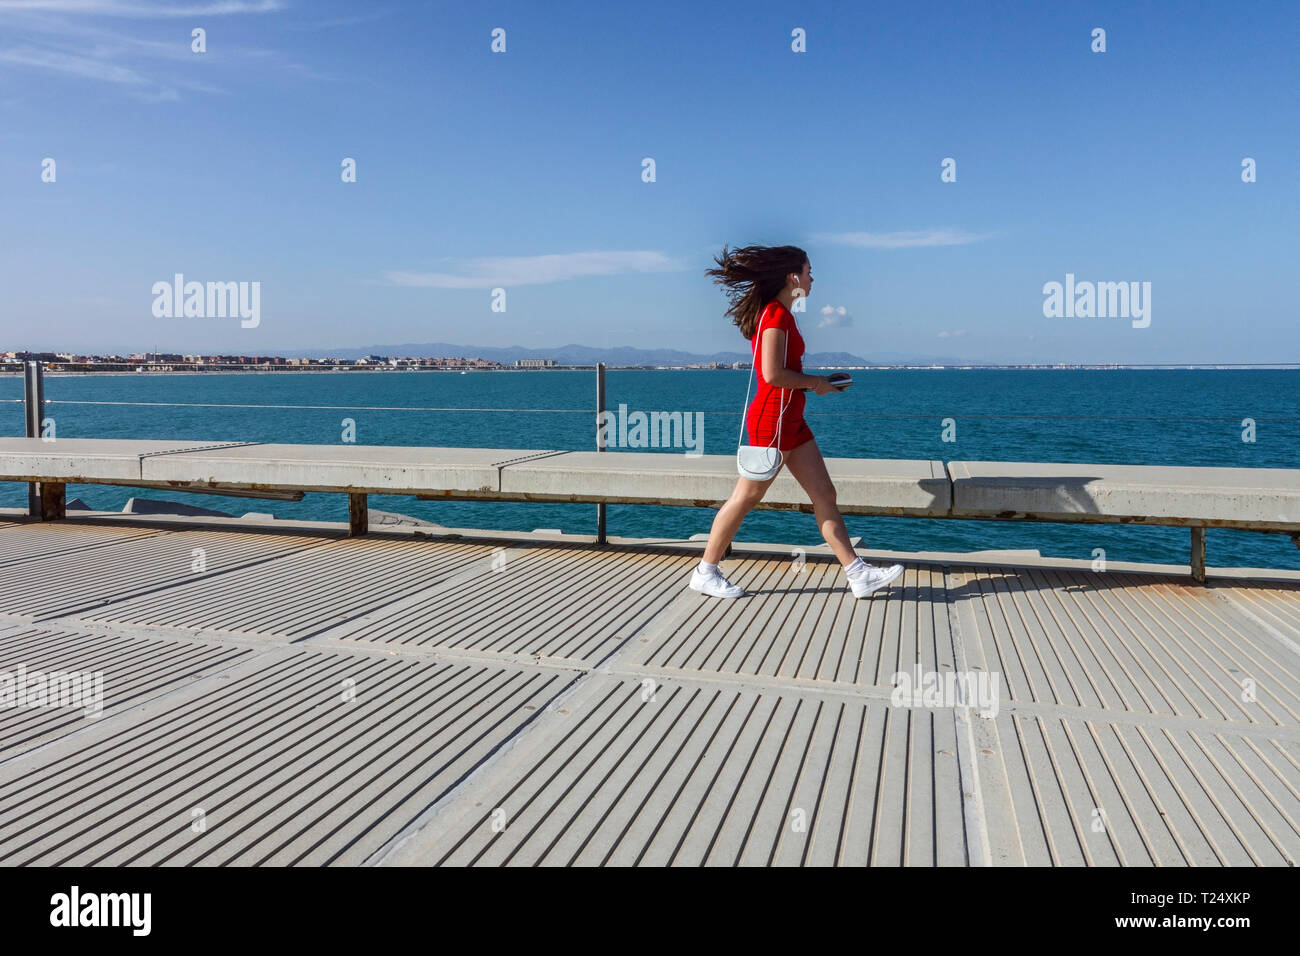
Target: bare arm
x=777, y=374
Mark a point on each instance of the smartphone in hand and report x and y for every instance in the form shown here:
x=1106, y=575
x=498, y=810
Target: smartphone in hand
x=840, y=380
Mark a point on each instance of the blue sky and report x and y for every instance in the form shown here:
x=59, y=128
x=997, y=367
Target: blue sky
x=523, y=170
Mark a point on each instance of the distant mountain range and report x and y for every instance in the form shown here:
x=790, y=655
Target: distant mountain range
x=620, y=355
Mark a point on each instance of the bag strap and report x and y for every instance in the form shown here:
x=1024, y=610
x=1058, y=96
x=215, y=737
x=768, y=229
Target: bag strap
x=758, y=340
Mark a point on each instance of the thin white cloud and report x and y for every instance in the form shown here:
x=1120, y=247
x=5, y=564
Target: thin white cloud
x=343, y=21
x=61, y=62
x=134, y=83
x=86, y=36
x=70, y=37
x=945, y=334
x=903, y=240
x=491, y=271
x=127, y=8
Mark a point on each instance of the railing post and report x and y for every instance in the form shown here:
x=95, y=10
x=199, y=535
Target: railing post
x=34, y=399
x=600, y=442
x=54, y=500
x=358, y=515
x=1198, y=554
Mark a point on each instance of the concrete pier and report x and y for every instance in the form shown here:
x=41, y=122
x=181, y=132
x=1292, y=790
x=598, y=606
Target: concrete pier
x=301, y=697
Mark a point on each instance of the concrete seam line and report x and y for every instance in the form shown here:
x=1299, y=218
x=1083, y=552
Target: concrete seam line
x=977, y=838
x=185, y=451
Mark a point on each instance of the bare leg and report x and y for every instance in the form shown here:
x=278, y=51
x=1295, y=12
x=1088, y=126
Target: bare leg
x=809, y=469
x=727, y=521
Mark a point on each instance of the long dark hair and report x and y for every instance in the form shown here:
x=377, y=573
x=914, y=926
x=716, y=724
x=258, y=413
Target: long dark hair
x=753, y=276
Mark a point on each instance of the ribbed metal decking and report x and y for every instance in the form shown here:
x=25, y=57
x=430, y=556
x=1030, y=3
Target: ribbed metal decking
x=311, y=699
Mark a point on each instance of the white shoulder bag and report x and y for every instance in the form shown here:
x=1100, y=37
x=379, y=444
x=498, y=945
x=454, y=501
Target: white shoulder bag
x=760, y=462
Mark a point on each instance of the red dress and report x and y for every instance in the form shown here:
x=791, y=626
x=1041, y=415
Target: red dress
x=764, y=411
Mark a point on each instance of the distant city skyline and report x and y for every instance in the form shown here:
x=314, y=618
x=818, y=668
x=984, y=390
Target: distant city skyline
x=1163, y=171
x=516, y=359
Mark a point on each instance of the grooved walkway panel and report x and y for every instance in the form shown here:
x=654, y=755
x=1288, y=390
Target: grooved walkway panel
x=27, y=542
x=83, y=580
x=303, y=593
x=1271, y=604
x=301, y=757
x=1125, y=642
x=560, y=601
x=806, y=625
x=1099, y=793
x=131, y=670
x=703, y=775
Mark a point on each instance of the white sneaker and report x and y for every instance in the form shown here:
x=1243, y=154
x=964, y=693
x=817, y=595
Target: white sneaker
x=873, y=579
x=714, y=584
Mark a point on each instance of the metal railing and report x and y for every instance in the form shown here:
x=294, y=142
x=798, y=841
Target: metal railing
x=45, y=500
x=34, y=396
x=42, y=506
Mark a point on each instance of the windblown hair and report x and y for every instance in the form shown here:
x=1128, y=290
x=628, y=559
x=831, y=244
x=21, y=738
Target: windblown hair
x=753, y=276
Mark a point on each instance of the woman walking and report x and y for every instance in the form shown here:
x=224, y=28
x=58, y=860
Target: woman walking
x=762, y=283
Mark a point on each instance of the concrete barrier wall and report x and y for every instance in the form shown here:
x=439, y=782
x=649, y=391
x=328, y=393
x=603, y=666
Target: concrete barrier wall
x=380, y=469
x=863, y=485
x=80, y=459
x=1263, y=498
x=1252, y=498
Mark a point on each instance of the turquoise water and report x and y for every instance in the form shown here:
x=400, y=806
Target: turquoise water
x=1173, y=417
